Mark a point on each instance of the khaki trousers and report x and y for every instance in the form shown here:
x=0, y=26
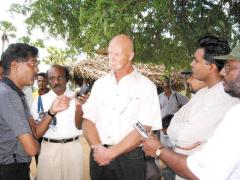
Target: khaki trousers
x=58, y=161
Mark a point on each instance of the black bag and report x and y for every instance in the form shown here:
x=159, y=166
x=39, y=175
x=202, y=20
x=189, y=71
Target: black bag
x=178, y=105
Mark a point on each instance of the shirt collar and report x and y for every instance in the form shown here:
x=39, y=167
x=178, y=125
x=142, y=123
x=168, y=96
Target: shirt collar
x=132, y=74
x=12, y=85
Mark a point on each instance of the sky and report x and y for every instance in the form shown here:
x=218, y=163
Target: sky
x=18, y=21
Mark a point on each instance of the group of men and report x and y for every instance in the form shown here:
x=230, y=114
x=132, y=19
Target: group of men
x=118, y=100
x=204, y=130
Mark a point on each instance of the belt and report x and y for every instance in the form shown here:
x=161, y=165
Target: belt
x=61, y=140
x=108, y=146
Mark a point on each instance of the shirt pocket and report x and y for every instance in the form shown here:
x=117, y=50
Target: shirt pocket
x=130, y=107
x=104, y=110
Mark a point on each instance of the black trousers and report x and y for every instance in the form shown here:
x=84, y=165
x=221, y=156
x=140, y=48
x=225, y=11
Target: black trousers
x=129, y=166
x=14, y=171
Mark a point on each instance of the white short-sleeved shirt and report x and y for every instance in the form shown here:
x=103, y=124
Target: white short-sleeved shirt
x=169, y=105
x=65, y=127
x=220, y=157
x=115, y=107
x=198, y=119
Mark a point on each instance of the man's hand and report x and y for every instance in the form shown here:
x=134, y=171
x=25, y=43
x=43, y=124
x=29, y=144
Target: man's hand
x=150, y=145
x=61, y=103
x=102, y=155
x=80, y=100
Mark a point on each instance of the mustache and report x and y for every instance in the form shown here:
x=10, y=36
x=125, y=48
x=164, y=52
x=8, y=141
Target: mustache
x=57, y=85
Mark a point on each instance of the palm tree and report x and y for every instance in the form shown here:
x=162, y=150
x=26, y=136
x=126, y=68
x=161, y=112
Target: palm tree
x=7, y=30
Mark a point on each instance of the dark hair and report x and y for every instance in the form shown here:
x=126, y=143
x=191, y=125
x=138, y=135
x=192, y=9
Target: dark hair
x=65, y=68
x=214, y=46
x=17, y=52
x=168, y=82
x=43, y=74
x=0, y=63
x=166, y=120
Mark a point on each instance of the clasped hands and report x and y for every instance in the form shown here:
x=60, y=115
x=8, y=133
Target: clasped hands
x=102, y=155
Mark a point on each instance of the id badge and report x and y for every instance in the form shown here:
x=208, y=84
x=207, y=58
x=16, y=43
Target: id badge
x=54, y=121
x=41, y=115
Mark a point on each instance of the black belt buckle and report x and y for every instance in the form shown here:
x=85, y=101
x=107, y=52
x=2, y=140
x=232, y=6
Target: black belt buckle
x=66, y=140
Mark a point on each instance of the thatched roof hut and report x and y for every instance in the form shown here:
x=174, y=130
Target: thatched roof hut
x=92, y=69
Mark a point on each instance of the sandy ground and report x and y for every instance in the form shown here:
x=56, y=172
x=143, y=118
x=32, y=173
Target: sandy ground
x=86, y=151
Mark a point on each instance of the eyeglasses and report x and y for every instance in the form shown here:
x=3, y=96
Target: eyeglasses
x=228, y=67
x=34, y=64
x=59, y=78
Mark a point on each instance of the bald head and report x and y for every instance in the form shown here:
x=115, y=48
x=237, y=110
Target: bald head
x=121, y=53
x=123, y=40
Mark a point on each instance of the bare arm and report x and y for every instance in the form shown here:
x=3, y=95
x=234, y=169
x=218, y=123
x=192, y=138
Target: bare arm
x=175, y=161
x=130, y=142
x=178, y=163
x=40, y=129
x=61, y=103
x=90, y=132
x=190, y=147
x=105, y=155
x=80, y=100
x=78, y=116
x=29, y=143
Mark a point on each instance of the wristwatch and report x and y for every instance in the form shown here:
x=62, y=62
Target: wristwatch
x=158, y=151
x=50, y=114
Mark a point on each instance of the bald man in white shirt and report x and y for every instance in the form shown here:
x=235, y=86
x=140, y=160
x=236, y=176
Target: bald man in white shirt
x=117, y=101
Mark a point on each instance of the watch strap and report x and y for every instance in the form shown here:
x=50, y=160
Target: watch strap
x=50, y=114
x=158, y=151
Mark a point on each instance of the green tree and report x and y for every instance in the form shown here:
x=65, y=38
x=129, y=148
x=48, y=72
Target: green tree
x=164, y=31
x=24, y=39
x=60, y=56
x=37, y=43
x=7, y=30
